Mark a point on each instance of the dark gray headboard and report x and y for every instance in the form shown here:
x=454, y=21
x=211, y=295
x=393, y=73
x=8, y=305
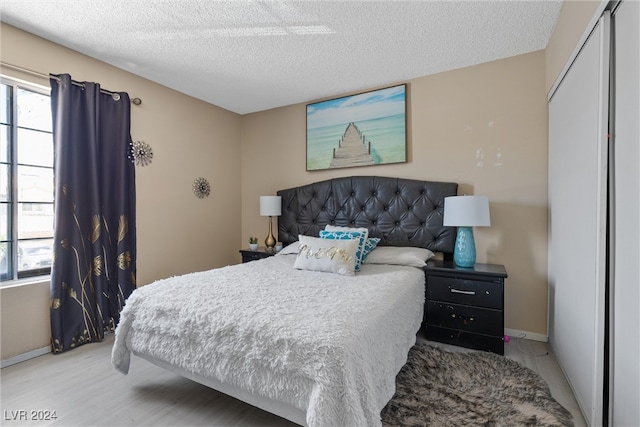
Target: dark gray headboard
x=402, y=212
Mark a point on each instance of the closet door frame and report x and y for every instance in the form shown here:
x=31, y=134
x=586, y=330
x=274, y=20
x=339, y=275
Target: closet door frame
x=624, y=386
x=578, y=271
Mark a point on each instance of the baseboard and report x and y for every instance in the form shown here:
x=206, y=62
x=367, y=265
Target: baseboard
x=514, y=333
x=25, y=356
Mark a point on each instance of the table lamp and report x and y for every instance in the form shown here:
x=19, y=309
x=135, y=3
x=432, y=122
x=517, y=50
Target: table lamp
x=270, y=206
x=466, y=212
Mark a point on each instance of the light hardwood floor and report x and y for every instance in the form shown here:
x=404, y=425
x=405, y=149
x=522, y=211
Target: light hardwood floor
x=83, y=389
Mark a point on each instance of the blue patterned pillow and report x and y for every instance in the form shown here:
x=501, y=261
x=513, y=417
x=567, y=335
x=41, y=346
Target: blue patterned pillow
x=370, y=245
x=348, y=235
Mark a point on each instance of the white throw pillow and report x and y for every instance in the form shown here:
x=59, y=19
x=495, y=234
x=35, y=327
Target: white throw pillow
x=336, y=232
x=370, y=244
x=348, y=235
x=397, y=255
x=329, y=255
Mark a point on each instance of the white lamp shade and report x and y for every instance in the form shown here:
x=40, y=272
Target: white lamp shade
x=270, y=205
x=466, y=211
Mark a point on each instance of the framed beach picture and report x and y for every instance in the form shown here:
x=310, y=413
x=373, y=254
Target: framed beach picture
x=366, y=129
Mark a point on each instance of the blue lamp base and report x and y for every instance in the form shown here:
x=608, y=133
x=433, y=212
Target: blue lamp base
x=464, y=252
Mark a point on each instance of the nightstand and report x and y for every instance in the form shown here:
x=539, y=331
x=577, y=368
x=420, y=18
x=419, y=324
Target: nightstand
x=465, y=306
x=249, y=255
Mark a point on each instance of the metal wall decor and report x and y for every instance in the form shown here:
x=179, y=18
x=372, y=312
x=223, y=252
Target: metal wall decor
x=141, y=153
x=201, y=188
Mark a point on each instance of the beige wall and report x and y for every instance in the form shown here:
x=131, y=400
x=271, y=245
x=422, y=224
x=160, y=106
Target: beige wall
x=177, y=232
x=571, y=25
x=496, y=111
x=24, y=318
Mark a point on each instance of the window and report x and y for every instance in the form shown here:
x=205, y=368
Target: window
x=26, y=181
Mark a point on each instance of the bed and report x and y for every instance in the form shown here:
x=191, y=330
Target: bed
x=314, y=347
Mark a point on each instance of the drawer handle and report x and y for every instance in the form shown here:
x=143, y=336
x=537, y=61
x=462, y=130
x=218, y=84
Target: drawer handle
x=471, y=319
x=458, y=291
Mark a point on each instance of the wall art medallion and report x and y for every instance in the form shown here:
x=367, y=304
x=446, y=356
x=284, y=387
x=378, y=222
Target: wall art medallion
x=141, y=153
x=201, y=188
x=366, y=129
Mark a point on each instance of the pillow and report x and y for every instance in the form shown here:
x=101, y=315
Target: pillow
x=290, y=249
x=330, y=227
x=370, y=245
x=333, y=256
x=361, y=236
x=413, y=257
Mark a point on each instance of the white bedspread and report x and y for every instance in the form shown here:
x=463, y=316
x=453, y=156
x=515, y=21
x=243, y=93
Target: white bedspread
x=328, y=344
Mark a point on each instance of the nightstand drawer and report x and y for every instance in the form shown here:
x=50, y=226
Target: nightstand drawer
x=463, y=291
x=466, y=339
x=465, y=318
x=248, y=255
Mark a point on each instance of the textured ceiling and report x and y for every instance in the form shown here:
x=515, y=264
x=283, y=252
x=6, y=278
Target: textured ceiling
x=248, y=56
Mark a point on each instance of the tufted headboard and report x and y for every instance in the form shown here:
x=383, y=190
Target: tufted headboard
x=402, y=212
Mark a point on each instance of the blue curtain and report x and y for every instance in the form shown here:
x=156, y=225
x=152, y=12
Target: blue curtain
x=94, y=265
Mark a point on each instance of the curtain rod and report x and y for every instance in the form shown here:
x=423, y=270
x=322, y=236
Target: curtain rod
x=135, y=101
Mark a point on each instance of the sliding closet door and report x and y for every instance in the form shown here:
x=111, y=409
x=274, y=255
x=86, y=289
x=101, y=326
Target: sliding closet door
x=625, y=394
x=577, y=240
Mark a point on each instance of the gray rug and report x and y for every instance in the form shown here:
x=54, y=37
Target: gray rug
x=441, y=388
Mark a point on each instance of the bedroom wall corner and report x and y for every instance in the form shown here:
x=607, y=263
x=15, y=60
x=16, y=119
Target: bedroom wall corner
x=484, y=127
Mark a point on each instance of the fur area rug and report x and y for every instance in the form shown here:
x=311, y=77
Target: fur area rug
x=442, y=388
